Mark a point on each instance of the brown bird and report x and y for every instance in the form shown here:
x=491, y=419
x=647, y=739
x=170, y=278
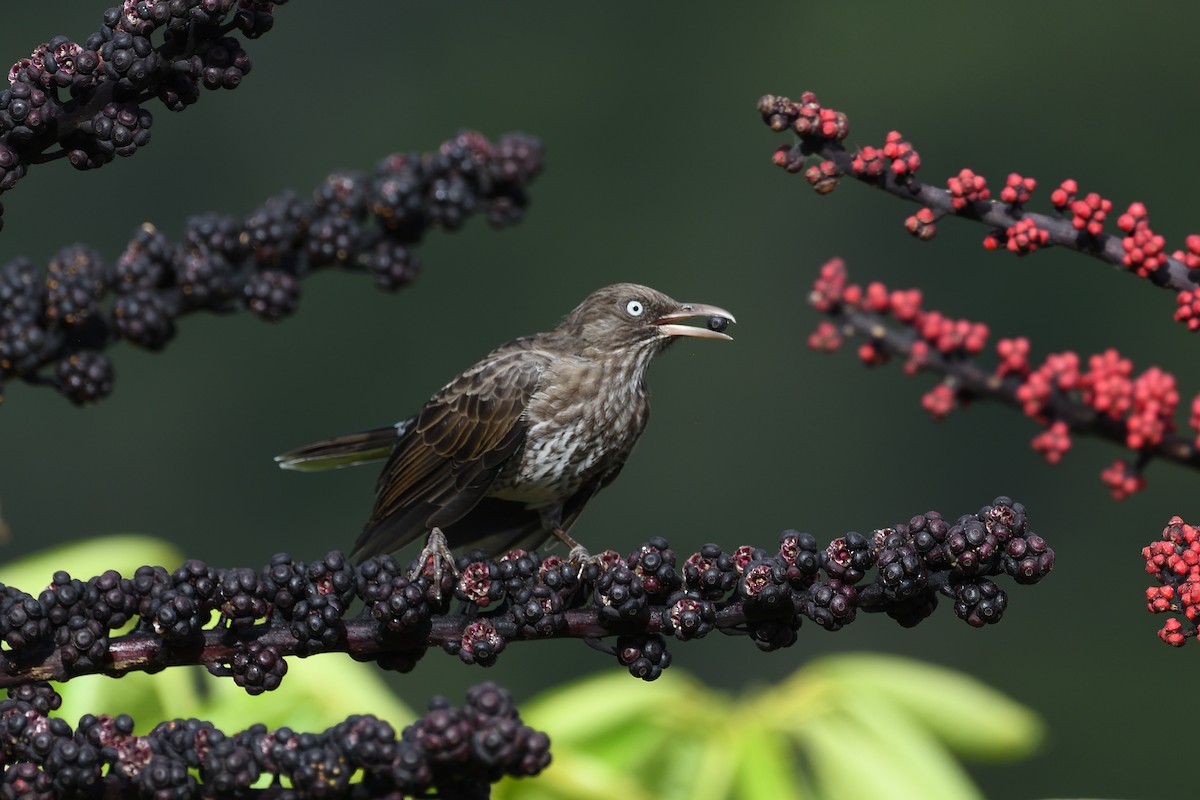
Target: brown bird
x=508, y=453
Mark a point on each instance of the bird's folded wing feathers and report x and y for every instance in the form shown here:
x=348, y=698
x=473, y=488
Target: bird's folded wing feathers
x=462, y=437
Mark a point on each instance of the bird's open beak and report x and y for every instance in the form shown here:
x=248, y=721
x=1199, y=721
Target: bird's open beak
x=717, y=318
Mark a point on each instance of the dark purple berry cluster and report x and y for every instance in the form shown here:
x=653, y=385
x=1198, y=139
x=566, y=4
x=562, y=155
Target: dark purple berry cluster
x=393, y=598
x=85, y=101
x=257, y=667
x=449, y=752
x=620, y=595
x=466, y=174
x=311, y=598
x=466, y=749
x=901, y=571
x=645, y=655
x=55, y=324
x=481, y=605
x=532, y=593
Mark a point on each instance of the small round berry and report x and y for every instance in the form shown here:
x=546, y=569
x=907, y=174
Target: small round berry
x=258, y=668
x=84, y=377
x=142, y=317
x=272, y=294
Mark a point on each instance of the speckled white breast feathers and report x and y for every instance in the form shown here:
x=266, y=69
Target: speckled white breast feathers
x=573, y=434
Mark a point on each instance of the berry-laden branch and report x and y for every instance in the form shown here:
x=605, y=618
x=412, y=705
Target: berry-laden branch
x=1104, y=399
x=1174, y=561
x=293, y=608
x=53, y=325
x=1078, y=221
x=455, y=752
x=87, y=101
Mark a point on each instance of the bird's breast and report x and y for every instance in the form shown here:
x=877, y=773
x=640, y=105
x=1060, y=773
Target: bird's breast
x=582, y=423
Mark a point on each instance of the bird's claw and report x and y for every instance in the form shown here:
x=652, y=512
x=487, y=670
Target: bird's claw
x=578, y=554
x=580, y=557
x=433, y=555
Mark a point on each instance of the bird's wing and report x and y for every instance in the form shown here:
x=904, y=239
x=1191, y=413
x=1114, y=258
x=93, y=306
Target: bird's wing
x=444, y=464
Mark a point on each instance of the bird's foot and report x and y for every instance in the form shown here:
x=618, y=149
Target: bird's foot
x=430, y=562
x=585, y=562
x=578, y=555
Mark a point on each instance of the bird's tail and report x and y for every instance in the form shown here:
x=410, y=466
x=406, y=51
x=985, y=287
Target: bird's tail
x=344, y=451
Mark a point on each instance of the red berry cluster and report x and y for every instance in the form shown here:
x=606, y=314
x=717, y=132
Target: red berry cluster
x=870, y=161
x=1053, y=442
x=966, y=188
x=939, y=401
x=1175, y=564
x=950, y=336
x=785, y=158
x=1017, y=189
x=1122, y=479
x=1087, y=214
x=921, y=224
x=1022, y=238
x=1190, y=257
x=1063, y=393
x=1189, y=309
x=823, y=176
x=1146, y=404
x=805, y=117
x=827, y=289
x=1155, y=399
x=1078, y=224
x=1014, y=356
x=1059, y=371
x=825, y=337
x=1144, y=251
x=1064, y=195
x=905, y=160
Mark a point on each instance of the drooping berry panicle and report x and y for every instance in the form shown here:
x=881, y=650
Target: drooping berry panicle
x=87, y=99
x=1174, y=561
x=55, y=323
x=448, y=752
x=1065, y=394
x=1078, y=222
x=241, y=622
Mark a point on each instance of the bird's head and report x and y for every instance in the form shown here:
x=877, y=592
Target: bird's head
x=626, y=315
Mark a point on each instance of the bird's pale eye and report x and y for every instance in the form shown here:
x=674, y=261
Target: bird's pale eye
x=634, y=308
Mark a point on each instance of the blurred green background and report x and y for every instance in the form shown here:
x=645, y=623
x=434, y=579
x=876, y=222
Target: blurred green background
x=658, y=171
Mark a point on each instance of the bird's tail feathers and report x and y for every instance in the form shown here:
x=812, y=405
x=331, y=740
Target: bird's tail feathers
x=344, y=451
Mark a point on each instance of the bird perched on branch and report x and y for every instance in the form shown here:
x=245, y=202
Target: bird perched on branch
x=509, y=452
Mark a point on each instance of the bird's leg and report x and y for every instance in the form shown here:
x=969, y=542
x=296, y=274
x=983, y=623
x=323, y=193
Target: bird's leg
x=578, y=554
x=435, y=552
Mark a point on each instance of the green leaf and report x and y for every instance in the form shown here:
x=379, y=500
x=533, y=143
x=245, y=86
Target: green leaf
x=316, y=692
x=586, y=709
x=86, y=558
x=968, y=716
x=697, y=764
x=766, y=767
x=920, y=766
x=630, y=745
x=574, y=775
x=851, y=760
x=149, y=699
